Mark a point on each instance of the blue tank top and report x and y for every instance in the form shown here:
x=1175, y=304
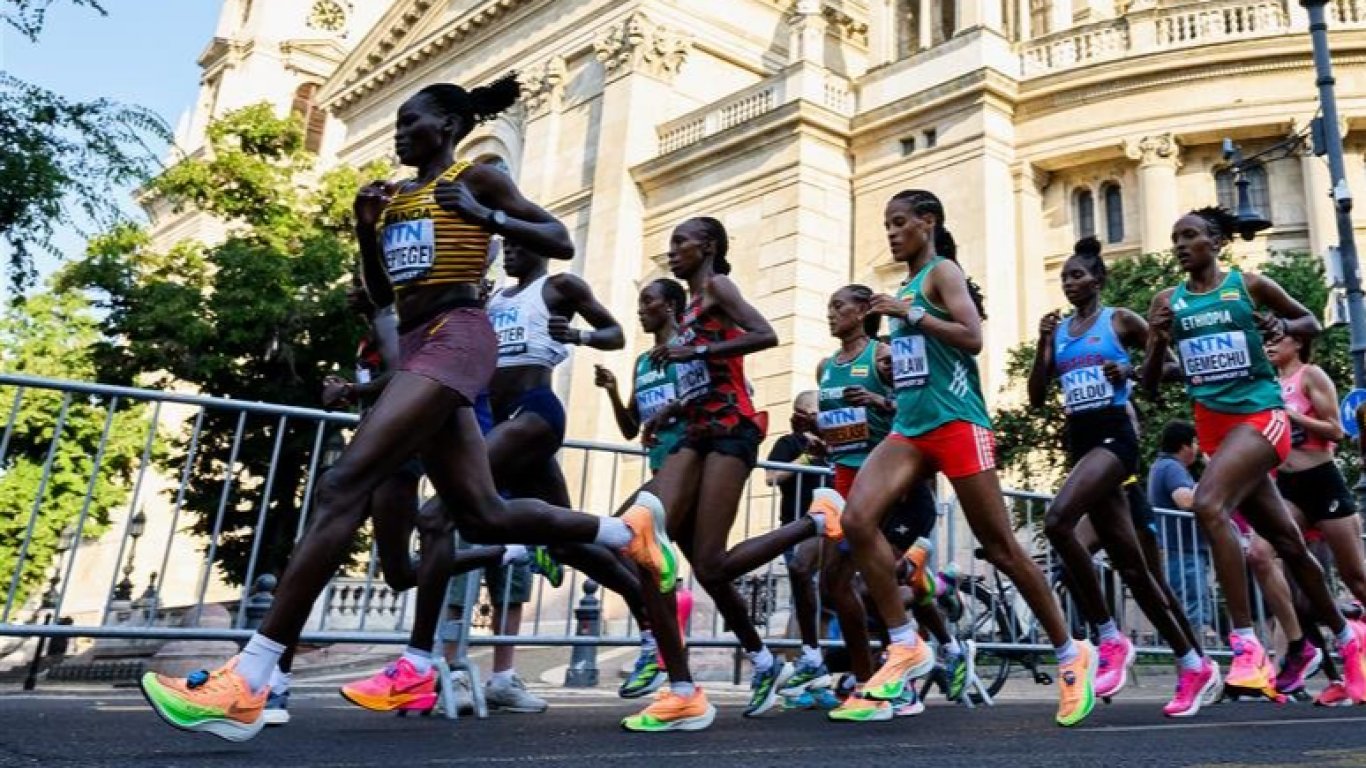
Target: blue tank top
x=1080, y=361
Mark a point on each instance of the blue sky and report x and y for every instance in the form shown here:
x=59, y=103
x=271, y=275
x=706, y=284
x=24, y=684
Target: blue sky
x=142, y=53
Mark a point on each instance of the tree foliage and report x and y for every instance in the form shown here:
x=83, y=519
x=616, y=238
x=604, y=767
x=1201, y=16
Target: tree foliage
x=51, y=335
x=259, y=316
x=63, y=163
x=1030, y=439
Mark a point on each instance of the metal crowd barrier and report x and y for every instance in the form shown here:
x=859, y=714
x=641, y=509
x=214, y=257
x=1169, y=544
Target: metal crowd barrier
x=187, y=598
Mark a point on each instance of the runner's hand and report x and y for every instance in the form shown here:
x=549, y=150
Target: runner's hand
x=334, y=392
x=456, y=197
x=888, y=306
x=370, y=202
x=604, y=378
x=1116, y=373
x=1160, y=318
x=560, y=331
x=1048, y=324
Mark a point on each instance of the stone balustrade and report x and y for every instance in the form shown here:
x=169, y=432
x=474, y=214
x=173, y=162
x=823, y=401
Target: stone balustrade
x=696, y=126
x=1074, y=47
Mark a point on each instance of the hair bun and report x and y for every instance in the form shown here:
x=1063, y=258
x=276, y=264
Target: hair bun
x=1087, y=246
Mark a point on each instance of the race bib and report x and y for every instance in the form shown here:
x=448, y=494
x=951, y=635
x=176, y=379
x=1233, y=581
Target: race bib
x=650, y=401
x=409, y=249
x=510, y=330
x=1215, y=357
x=1086, y=388
x=844, y=429
x=693, y=379
x=910, y=366
x=362, y=375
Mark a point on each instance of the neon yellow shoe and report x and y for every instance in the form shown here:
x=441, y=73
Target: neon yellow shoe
x=856, y=709
x=1077, y=685
x=218, y=702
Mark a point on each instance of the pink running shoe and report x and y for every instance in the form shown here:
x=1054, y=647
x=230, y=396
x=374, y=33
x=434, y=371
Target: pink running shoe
x=1116, y=656
x=1354, y=662
x=1297, y=667
x=1250, y=669
x=1335, y=695
x=1192, y=686
x=399, y=686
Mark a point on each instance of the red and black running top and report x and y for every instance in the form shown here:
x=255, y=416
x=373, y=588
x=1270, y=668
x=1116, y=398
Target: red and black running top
x=714, y=391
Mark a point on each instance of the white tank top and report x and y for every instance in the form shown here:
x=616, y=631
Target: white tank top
x=522, y=322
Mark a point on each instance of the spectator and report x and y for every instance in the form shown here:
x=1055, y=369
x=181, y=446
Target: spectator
x=1171, y=487
x=800, y=446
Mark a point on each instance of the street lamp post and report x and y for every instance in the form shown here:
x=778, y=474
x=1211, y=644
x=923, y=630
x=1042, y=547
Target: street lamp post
x=136, y=527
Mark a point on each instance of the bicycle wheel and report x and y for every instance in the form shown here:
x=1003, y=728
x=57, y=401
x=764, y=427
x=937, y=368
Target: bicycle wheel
x=986, y=618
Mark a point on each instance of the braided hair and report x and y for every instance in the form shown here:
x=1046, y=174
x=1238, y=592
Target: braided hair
x=872, y=322
x=716, y=232
x=1087, y=250
x=675, y=295
x=477, y=106
x=925, y=202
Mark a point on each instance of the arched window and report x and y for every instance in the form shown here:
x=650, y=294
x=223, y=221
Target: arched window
x=1085, y=213
x=313, y=117
x=1114, y=214
x=1258, y=192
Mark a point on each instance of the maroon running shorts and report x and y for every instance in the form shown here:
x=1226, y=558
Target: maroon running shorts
x=456, y=349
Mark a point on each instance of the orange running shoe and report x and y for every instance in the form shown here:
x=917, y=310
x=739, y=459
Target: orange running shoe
x=1077, y=685
x=904, y=663
x=218, y=702
x=650, y=546
x=828, y=502
x=671, y=712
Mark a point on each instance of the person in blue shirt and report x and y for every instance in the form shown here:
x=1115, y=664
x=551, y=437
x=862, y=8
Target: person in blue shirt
x=1171, y=487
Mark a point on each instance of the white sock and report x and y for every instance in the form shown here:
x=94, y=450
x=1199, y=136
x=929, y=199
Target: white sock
x=819, y=520
x=812, y=656
x=647, y=642
x=420, y=659
x=1345, y=636
x=1110, y=631
x=258, y=660
x=953, y=647
x=514, y=553
x=1068, y=651
x=762, y=659
x=613, y=533
x=904, y=635
x=1246, y=633
x=502, y=678
x=279, y=681
x=1191, y=661
x=685, y=690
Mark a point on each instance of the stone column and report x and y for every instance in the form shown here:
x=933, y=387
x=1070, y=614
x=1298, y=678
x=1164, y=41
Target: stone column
x=925, y=17
x=806, y=33
x=1031, y=250
x=1062, y=15
x=1024, y=18
x=1319, y=213
x=1158, y=158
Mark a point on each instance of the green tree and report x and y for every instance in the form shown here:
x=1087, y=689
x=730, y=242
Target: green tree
x=51, y=334
x=260, y=316
x=1030, y=439
x=63, y=164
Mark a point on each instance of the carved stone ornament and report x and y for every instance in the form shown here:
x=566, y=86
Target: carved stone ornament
x=640, y=45
x=1160, y=149
x=543, y=86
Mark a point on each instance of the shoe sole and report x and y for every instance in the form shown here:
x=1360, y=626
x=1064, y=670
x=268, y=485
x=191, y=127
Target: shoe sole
x=784, y=674
x=418, y=702
x=274, y=717
x=880, y=715
x=223, y=728
x=1129, y=659
x=698, y=723
x=917, y=709
x=813, y=684
x=914, y=673
x=971, y=653
x=654, y=685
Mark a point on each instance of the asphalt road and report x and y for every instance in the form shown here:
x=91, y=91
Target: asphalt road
x=106, y=727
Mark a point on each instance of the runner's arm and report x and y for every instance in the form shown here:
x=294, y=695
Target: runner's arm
x=1323, y=395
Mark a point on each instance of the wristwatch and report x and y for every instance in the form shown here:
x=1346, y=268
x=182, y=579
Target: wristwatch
x=497, y=220
x=700, y=352
x=914, y=316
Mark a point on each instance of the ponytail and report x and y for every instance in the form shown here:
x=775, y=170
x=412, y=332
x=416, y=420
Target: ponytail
x=476, y=106
x=1218, y=221
x=924, y=202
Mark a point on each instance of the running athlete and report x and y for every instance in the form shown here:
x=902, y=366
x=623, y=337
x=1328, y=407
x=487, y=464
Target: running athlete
x=1088, y=351
x=857, y=405
x=1239, y=416
x=429, y=238
x=532, y=320
x=942, y=425
x=701, y=481
x=660, y=307
x=1310, y=481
